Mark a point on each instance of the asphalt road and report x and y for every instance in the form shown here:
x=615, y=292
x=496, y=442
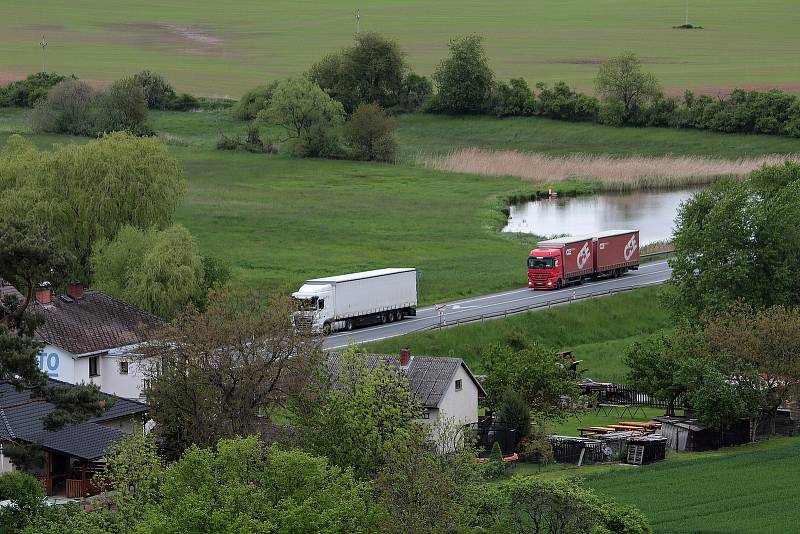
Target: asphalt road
x=506, y=301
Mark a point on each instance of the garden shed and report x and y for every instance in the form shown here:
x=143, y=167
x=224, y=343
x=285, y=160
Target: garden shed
x=646, y=449
x=690, y=434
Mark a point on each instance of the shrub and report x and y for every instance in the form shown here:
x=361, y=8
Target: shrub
x=535, y=449
x=495, y=467
x=122, y=107
x=252, y=143
x=370, y=134
x=66, y=109
x=515, y=412
x=309, y=117
x=27, y=92
x=414, y=91
x=185, y=102
x=253, y=101
x=463, y=80
x=562, y=102
x=27, y=495
x=513, y=99
x=157, y=90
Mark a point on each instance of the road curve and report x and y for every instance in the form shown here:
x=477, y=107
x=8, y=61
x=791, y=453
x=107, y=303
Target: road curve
x=497, y=303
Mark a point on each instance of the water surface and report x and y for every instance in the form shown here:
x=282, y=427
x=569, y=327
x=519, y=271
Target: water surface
x=651, y=212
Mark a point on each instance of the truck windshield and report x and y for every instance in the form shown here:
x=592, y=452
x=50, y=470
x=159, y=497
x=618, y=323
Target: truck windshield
x=545, y=262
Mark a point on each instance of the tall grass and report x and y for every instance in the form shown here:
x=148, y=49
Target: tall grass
x=610, y=173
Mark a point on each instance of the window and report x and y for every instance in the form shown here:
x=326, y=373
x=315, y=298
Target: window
x=540, y=262
x=123, y=368
x=321, y=304
x=458, y=385
x=93, y=368
x=426, y=415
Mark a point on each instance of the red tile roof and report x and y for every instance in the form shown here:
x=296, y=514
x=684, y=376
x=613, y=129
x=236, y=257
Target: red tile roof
x=97, y=322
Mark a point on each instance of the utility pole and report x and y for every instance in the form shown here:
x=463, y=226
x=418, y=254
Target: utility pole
x=43, y=44
x=358, y=21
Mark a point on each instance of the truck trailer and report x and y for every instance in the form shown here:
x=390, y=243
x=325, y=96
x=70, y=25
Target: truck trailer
x=347, y=301
x=555, y=263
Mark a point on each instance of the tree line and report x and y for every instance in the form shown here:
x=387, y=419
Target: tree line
x=733, y=353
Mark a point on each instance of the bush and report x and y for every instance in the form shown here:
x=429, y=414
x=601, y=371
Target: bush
x=157, y=90
x=495, y=467
x=252, y=143
x=122, y=107
x=66, y=109
x=535, y=449
x=563, y=103
x=26, y=93
x=253, y=101
x=464, y=80
x=515, y=412
x=513, y=99
x=27, y=495
x=370, y=134
x=310, y=118
x=414, y=91
x=185, y=102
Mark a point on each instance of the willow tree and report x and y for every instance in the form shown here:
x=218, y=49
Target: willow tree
x=83, y=193
x=159, y=271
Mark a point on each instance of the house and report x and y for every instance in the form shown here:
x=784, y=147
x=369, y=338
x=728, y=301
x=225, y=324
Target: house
x=74, y=452
x=445, y=387
x=88, y=337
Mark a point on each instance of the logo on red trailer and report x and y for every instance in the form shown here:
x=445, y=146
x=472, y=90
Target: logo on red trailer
x=631, y=247
x=583, y=255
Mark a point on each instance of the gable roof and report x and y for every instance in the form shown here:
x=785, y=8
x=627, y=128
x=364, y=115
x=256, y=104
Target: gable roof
x=22, y=416
x=94, y=323
x=429, y=377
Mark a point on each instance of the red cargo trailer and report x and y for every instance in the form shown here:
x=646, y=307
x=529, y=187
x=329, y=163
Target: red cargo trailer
x=557, y=262
x=616, y=250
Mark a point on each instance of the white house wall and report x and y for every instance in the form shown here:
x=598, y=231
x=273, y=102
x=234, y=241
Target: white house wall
x=460, y=405
x=62, y=365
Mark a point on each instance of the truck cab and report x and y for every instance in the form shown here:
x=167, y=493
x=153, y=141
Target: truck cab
x=545, y=268
x=315, y=306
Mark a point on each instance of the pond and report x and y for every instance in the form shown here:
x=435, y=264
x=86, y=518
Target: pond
x=652, y=212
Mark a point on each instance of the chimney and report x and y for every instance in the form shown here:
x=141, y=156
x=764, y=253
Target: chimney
x=43, y=293
x=405, y=357
x=75, y=290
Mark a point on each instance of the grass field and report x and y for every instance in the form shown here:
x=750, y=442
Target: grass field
x=736, y=490
x=215, y=48
x=279, y=221
x=596, y=330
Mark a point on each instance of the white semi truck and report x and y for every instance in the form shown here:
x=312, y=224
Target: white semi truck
x=350, y=300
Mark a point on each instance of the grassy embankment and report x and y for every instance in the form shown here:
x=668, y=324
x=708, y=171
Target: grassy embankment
x=596, y=330
x=209, y=49
x=278, y=220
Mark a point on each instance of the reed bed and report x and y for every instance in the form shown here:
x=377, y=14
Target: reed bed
x=610, y=173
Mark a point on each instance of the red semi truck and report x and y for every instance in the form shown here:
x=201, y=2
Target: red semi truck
x=557, y=262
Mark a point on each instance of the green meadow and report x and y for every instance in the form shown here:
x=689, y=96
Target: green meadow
x=223, y=48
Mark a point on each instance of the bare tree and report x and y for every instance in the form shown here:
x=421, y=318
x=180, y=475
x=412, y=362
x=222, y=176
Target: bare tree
x=222, y=372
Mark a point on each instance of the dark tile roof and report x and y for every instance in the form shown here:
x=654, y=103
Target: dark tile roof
x=87, y=441
x=93, y=323
x=428, y=377
x=21, y=417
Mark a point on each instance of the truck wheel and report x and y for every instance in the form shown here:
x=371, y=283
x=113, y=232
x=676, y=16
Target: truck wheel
x=348, y=324
x=391, y=316
x=399, y=315
x=558, y=284
x=326, y=329
x=383, y=318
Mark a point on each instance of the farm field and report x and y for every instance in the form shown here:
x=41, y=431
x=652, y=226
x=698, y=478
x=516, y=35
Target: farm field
x=214, y=48
x=596, y=330
x=737, y=490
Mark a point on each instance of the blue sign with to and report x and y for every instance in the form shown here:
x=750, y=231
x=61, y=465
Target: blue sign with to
x=49, y=362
